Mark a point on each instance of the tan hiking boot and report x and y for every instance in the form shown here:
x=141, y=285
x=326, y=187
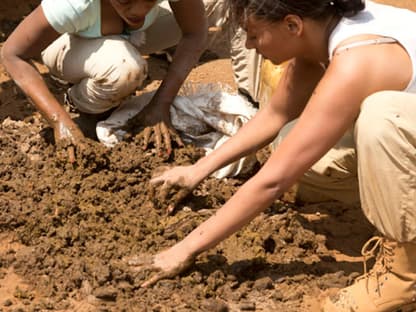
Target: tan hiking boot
x=389, y=286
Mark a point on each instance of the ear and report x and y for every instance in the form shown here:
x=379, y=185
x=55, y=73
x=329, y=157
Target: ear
x=294, y=24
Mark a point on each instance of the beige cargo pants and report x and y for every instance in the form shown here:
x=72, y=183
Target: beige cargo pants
x=376, y=163
x=104, y=71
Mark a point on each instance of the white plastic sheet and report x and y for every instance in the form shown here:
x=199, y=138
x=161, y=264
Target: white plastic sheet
x=205, y=115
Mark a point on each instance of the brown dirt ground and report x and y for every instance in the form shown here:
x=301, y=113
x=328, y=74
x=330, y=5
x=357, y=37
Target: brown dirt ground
x=64, y=229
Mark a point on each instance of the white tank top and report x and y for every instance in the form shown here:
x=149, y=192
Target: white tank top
x=381, y=20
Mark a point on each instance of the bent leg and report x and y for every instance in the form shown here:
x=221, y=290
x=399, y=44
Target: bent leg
x=333, y=177
x=386, y=144
x=104, y=70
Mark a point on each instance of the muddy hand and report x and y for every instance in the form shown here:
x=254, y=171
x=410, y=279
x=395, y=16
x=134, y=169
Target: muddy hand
x=69, y=138
x=163, y=265
x=172, y=184
x=158, y=128
x=161, y=132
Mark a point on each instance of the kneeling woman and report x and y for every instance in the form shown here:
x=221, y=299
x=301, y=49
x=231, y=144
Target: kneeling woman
x=351, y=66
x=96, y=45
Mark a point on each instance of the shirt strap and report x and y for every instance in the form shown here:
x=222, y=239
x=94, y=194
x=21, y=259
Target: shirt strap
x=381, y=40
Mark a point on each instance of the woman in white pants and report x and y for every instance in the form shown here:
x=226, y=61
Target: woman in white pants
x=91, y=44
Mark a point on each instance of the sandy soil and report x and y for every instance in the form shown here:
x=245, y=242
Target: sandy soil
x=65, y=228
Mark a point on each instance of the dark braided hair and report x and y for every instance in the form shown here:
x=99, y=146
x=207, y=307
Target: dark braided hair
x=276, y=10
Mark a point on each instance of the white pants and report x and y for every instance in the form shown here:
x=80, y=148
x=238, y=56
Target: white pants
x=105, y=70
x=376, y=163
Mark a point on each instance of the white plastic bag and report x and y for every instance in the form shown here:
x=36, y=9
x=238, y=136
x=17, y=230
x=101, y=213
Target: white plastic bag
x=205, y=115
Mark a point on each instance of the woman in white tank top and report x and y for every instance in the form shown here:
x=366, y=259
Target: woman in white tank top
x=351, y=72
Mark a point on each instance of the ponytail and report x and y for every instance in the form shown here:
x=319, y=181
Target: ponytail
x=348, y=8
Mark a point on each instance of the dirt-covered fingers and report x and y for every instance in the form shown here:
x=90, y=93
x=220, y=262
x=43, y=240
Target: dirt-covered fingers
x=176, y=199
x=170, y=135
x=161, y=139
x=138, y=261
x=146, y=137
x=66, y=151
x=176, y=137
x=71, y=154
x=155, y=278
x=170, y=195
x=171, y=270
x=158, y=139
x=142, y=263
x=166, y=138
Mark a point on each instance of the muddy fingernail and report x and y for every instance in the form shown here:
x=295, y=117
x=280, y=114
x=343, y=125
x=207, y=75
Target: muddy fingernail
x=170, y=208
x=71, y=154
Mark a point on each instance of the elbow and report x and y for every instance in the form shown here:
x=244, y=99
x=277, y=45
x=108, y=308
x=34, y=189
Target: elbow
x=7, y=56
x=203, y=35
x=271, y=187
x=203, y=42
x=4, y=56
x=274, y=189
x=199, y=39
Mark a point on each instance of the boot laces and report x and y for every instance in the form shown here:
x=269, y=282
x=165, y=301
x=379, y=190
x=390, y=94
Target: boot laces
x=383, y=258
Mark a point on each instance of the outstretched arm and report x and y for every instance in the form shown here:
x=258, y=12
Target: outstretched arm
x=331, y=110
x=27, y=41
x=284, y=106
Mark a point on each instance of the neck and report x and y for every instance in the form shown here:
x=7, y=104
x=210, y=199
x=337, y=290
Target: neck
x=320, y=38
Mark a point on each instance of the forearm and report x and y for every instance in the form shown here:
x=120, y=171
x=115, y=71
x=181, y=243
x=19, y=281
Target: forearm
x=32, y=84
x=237, y=212
x=186, y=55
x=283, y=107
x=254, y=135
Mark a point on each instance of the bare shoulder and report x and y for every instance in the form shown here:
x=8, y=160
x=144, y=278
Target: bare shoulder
x=378, y=66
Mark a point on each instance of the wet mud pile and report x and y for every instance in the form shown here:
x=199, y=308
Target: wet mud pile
x=65, y=229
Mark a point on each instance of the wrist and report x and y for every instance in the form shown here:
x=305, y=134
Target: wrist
x=198, y=173
x=204, y=167
x=185, y=250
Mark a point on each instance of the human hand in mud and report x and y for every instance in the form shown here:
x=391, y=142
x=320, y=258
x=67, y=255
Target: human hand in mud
x=174, y=184
x=158, y=128
x=166, y=264
x=69, y=139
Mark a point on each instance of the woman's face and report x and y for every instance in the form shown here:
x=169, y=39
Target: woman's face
x=273, y=40
x=133, y=12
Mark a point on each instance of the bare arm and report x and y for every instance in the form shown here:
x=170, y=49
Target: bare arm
x=189, y=49
x=156, y=115
x=284, y=106
x=332, y=109
x=27, y=41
